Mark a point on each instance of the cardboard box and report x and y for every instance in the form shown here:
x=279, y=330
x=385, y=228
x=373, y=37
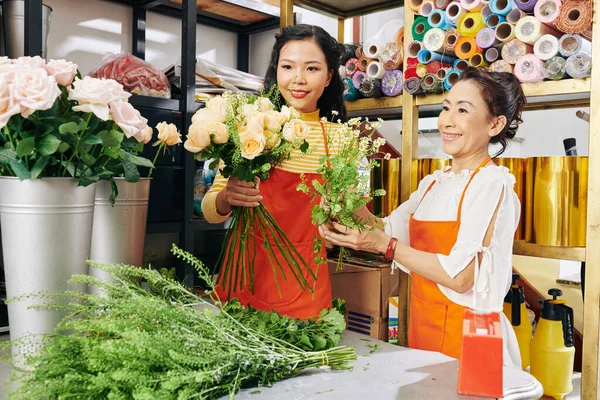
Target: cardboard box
x=365, y=289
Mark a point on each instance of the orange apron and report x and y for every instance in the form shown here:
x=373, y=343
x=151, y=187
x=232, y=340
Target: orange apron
x=292, y=211
x=435, y=321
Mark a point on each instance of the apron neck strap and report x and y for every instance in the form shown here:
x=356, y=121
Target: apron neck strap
x=462, y=197
x=324, y=138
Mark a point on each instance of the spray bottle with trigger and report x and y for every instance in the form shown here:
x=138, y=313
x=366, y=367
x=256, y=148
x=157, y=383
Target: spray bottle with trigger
x=515, y=310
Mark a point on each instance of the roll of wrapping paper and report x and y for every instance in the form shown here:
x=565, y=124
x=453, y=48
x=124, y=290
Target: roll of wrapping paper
x=505, y=32
x=486, y=38
x=413, y=85
x=579, y=65
x=546, y=47
x=526, y=5
x=434, y=40
x=490, y=55
x=461, y=64
x=359, y=52
x=415, y=5
x=546, y=11
x=349, y=52
x=391, y=83
x=375, y=70
x=570, y=44
x=501, y=66
x=372, y=50
x=412, y=62
x=421, y=70
x=441, y=73
x=472, y=5
x=501, y=7
x=466, y=47
x=555, y=68
x=434, y=66
x=413, y=48
x=575, y=16
x=514, y=16
x=486, y=12
x=426, y=8
x=371, y=88
x=529, y=30
x=438, y=19
x=420, y=28
x=514, y=50
x=426, y=56
x=391, y=56
x=351, y=67
x=450, y=41
x=431, y=84
x=451, y=78
x=350, y=92
x=470, y=24
x=358, y=77
x=400, y=36
x=363, y=63
x=477, y=60
x=441, y=4
x=529, y=68
x=454, y=11
x=342, y=70
x=410, y=73
x=493, y=20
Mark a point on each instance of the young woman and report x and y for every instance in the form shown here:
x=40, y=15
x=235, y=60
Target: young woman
x=304, y=65
x=455, y=233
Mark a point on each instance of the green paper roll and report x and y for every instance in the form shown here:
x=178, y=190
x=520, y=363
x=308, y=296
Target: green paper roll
x=419, y=28
x=350, y=92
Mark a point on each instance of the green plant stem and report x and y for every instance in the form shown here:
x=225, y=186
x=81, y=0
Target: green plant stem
x=162, y=147
x=7, y=132
x=87, y=122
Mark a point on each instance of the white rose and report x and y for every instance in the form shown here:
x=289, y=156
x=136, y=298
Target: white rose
x=198, y=138
x=295, y=130
x=94, y=95
x=217, y=109
x=34, y=90
x=5, y=61
x=30, y=62
x=272, y=139
x=273, y=120
x=253, y=145
x=8, y=72
x=263, y=104
x=146, y=134
x=249, y=109
x=202, y=115
x=128, y=118
x=8, y=105
x=255, y=123
x=218, y=131
x=63, y=71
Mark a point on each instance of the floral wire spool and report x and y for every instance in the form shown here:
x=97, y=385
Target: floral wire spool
x=391, y=83
x=529, y=68
x=348, y=53
x=493, y=20
x=351, y=67
x=391, y=56
x=486, y=38
x=546, y=47
x=529, y=29
x=371, y=87
x=434, y=40
x=575, y=16
x=350, y=92
x=420, y=28
x=451, y=78
x=490, y=55
x=431, y=84
x=421, y=70
x=555, y=68
x=363, y=63
x=467, y=47
x=570, y=44
x=526, y=5
x=454, y=11
x=470, y=24
x=461, y=65
x=413, y=86
x=579, y=65
x=546, y=11
x=413, y=49
x=515, y=16
x=501, y=7
x=501, y=66
x=426, y=8
x=514, y=50
x=450, y=40
x=357, y=78
x=505, y=32
x=477, y=60
x=438, y=19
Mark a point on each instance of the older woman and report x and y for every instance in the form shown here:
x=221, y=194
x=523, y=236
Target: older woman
x=454, y=235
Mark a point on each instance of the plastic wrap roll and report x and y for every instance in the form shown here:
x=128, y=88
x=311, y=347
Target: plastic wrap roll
x=350, y=92
x=434, y=40
x=451, y=78
x=575, y=16
x=415, y=5
x=529, y=30
x=426, y=56
x=391, y=56
x=546, y=47
x=515, y=15
x=391, y=83
x=466, y=47
x=501, y=66
x=450, y=41
x=514, y=50
x=486, y=38
x=502, y=7
x=363, y=63
x=371, y=87
x=358, y=77
x=375, y=70
x=410, y=73
x=372, y=49
x=570, y=44
x=400, y=36
x=461, y=64
x=493, y=20
x=490, y=55
x=342, y=70
x=420, y=28
x=505, y=32
x=349, y=52
x=472, y=5
x=359, y=52
x=412, y=62
x=351, y=67
x=437, y=19
x=529, y=68
x=434, y=66
x=546, y=11
x=579, y=65
x=431, y=84
x=413, y=86
x=555, y=68
x=454, y=11
x=421, y=70
x=413, y=48
x=526, y=5
x=441, y=4
x=426, y=8
x=442, y=72
x=470, y=24
x=486, y=12
x=477, y=60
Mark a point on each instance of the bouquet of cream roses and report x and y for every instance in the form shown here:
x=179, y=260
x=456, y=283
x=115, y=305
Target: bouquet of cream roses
x=250, y=136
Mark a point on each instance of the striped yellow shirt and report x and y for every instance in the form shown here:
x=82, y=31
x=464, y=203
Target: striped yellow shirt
x=299, y=163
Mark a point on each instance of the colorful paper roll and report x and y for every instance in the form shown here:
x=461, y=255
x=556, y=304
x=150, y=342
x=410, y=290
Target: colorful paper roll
x=357, y=78
x=437, y=19
x=514, y=50
x=575, y=16
x=400, y=36
x=493, y=20
x=363, y=63
x=351, y=67
x=431, y=84
x=371, y=88
x=529, y=30
x=501, y=66
x=451, y=78
x=555, y=68
x=413, y=86
x=426, y=56
x=477, y=60
x=441, y=73
x=472, y=5
x=529, y=68
x=466, y=47
x=515, y=15
x=454, y=11
x=415, y=5
x=359, y=52
x=421, y=70
x=546, y=47
x=372, y=49
x=350, y=92
x=486, y=38
x=546, y=11
x=526, y=5
x=470, y=23
x=410, y=73
x=461, y=64
x=501, y=7
x=579, y=65
x=412, y=62
x=426, y=8
x=420, y=28
x=434, y=40
x=486, y=12
x=375, y=70
x=441, y=4
x=570, y=44
x=434, y=66
x=391, y=56
x=450, y=40
x=490, y=55
x=391, y=83
x=505, y=32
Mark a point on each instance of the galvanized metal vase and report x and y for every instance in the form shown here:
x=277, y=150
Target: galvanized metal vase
x=46, y=237
x=119, y=231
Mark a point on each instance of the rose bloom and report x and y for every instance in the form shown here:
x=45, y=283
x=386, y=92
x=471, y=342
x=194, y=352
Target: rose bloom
x=218, y=132
x=263, y=104
x=217, y=109
x=128, y=118
x=146, y=134
x=294, y=130
x=273, y=120
x=168, y=133
x=94, y=95
x=255, y=123
x=272, y=139
x=248, y=109
x=30, y=62
x=8, y=105
x=63, y=71
x=253, y=145
x=34, y=90
x=198, y=138
x=288, y=113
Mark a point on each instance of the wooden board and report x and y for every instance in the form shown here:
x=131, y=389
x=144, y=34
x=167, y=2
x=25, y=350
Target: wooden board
x=227, y=10
x=348, y=8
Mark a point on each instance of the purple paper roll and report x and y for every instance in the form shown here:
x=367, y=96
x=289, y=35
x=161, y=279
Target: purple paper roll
x=391, y=83
x=413, y=85
x=486, y=38
x=526, y=5
x=358, y=77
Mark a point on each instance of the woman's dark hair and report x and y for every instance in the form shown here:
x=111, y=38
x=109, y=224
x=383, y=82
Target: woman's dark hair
x=332, y=98
x=503, y=95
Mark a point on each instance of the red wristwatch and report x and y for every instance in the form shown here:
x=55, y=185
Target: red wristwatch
x=389, y=253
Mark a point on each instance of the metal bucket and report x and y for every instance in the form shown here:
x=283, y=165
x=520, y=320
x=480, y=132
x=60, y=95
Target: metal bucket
x=119, y=230
x=13, y=24
x=387, y=177
x=46, y=237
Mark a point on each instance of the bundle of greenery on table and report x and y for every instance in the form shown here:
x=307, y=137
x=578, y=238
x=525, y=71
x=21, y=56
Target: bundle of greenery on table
x=148, y=337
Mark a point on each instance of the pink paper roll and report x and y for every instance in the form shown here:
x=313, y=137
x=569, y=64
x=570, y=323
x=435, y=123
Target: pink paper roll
x=358, y=77
x=472, y=5
x=529, y=68
x=547, y=11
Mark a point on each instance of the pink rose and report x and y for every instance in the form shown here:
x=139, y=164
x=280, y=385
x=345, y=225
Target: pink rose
x=8, y=72
x=8, y=105
x=34, y=90
x=30, y=62
x=5, y=61
x=128, y=119
x=94, y=95
x=63, y=71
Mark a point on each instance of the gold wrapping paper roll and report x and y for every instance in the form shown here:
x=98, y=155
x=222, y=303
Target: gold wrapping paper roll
x=427, y=166
x=517, y=167
x=527, y=218
x=387, y=177
x=560, y=187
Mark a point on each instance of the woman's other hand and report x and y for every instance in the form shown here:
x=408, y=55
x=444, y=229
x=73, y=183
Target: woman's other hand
x=374, y=241
x=238, y=193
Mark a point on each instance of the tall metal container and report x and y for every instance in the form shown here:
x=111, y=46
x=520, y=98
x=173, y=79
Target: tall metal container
x=13, y=28
x=386, y=176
